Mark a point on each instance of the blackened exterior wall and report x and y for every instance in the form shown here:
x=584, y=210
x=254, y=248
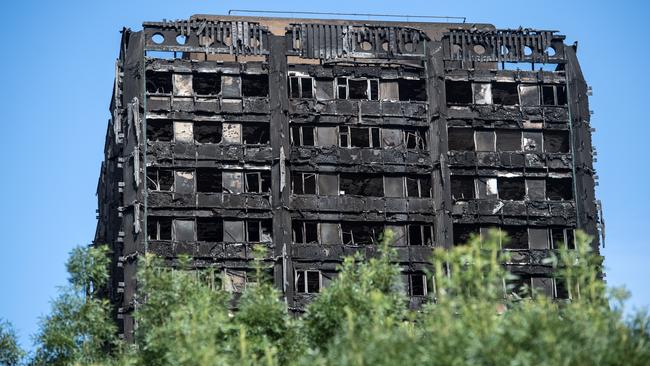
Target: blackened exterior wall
x=310, y=137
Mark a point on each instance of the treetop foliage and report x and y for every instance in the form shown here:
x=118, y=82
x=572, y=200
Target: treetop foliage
x=473, y=315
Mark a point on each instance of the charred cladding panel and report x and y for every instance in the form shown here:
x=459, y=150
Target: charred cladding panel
x=310, y=138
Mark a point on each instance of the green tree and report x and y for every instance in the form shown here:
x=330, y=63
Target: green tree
x=79, y=329
x=473, y=316
x=10, y=352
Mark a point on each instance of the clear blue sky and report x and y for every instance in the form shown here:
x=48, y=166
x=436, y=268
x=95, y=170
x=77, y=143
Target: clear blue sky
x=57, y=76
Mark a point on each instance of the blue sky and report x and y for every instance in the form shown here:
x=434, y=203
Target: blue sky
x=57, y=78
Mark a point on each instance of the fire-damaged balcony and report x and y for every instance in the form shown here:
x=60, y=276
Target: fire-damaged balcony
x=225, y=188
x=222, y=238
x=532, y=199
x=180, y=86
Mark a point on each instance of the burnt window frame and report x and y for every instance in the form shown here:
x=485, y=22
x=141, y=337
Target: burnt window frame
x=369, y=89
x=560, y=96
x=188, y=219
x=260, y=181
x=156, y=182
x=157, y=220
x=419, y=180
x=372, y=133
x=420, y=135
x=301, y=135
x=374, y=236
x=425, y=284
x=514, y=97
x=304, y=288
x=423, y=228
x=568, y=238
x=303, y=176
x=303, y=232
x=299, y=77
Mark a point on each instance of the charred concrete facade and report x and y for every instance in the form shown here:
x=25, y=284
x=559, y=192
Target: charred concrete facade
x=312, y=136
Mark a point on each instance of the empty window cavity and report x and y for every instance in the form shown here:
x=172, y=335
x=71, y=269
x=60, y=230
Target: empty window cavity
x=418, y=186
x=461, y=139
x=255, y=133
x=159, y=130
x=207, y=84
x=508, y=140
x=255, y=85
x=208, y=180
x=360, y=233
x=458, y=92
x=554, y=95
x=359, y=136
x=559, y=189
x=462, y=188
x=505, y=93
x=556, y=141
x=258, y=231
x=513, y=189
x=159, y=82
x=517, y=237
x=354, y=184
x=208, y=132
x=209, y=229
x=412, y=90
x=463, y=233
x=417, y=284
x=159, y=228
x=562, y=238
